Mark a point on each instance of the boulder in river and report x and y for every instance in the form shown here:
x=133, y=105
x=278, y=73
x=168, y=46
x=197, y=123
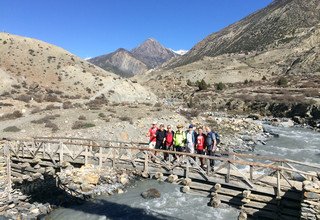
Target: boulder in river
x=151, y=194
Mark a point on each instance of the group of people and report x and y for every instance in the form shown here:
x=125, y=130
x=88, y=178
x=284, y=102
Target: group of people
x=200, y=140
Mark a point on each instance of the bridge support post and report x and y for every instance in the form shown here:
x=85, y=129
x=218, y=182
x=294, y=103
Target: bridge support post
x=61, y=153
x=228, y=172
x=86, y=155
x=187, y=168
x=100, y=157
x=146, y=160
x=278, y=184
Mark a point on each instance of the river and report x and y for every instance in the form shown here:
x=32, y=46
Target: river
x=293, y=143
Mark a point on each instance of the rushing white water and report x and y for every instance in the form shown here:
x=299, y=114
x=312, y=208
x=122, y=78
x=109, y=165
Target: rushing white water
x=172, y=205
x=293, y=143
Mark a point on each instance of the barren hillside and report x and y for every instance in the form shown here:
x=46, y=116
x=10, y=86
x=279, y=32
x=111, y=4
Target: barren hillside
x=29, y=65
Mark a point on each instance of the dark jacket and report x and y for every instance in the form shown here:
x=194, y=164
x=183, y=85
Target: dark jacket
x=160, y=136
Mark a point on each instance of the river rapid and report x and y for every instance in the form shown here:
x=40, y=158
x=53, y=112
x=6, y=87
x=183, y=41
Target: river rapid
x=293, y=143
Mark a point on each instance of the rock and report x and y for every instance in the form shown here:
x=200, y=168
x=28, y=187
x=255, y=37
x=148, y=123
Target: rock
x=172, y=178
x=123, y=179
x=145, y=175
x=35, y=211
x=120, y=191
x=85, y=187
x=91, y=178
x=151, y=194
x=186, y=181
x=185, y=189
x=158, y=175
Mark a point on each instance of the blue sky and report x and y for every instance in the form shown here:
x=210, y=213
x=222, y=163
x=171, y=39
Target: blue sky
x=89, y=28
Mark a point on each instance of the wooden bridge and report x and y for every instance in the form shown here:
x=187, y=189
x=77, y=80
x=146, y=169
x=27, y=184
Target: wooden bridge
x=260, y=186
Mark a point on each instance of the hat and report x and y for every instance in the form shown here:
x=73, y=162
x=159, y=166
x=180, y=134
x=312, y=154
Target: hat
x=155, y=122
x=191, y=126
x=179, y=126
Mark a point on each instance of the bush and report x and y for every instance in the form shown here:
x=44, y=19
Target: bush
x=10, y=116
x=126, y=118
x=82, y=125
x=52, y=107
x=67, y=105
x=82, y=118
x=12, y=129
x=45, y=119
x=52, y=98
x=36, y=110
x=264, y=78
x=202, y=85
x=189, y=83
x=282, y=81
x=220, y=86
x=24, y=98
x=102, y=115
x=52, y=125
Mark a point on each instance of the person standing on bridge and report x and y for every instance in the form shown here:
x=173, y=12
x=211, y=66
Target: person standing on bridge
x=191, y=139
x=152, y=133
x=211, y=145
x=201, y=145
x=179, y=140
x=168, y=141
x=160, y=138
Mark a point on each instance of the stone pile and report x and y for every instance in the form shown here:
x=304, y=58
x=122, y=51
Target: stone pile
x=310, y=206
x=92, y=181
x=20, y=207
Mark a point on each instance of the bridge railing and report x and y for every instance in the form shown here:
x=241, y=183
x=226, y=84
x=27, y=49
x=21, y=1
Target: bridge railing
x=277, y=173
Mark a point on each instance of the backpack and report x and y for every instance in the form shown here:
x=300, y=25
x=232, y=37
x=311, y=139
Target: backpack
x=209, y=140
x=217, y=137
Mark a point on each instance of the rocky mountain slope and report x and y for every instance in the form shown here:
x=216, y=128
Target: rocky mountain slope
x=121, y=62
x=35, y=68
x=268, y=63
x=281, y=22
x=148, y=55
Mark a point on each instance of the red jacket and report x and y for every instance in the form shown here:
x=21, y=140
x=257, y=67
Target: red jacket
x=201, y=142
x=152, y=134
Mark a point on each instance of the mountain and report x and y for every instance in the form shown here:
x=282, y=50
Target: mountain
x=282, y=22
x=30, y=66
x=148, y=55
x=152, y=53
x=121, y=62
x=281, y=40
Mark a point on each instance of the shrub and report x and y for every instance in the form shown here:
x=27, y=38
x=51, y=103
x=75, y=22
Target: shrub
x=282, y=81
x=12, y=129
x=52, y=98
x=82, y=125
x=36, y=110
x=220, y=86
x=52, y=125
x=24, y=98
x=45, y=119
x=82, y=118
x=102, y=115
x=264, y=78
x=10, y=116
x=67, y=105
x=189, y=83
x=202, y=85
x=52, y=107
x=246, y=82
x=126, y=118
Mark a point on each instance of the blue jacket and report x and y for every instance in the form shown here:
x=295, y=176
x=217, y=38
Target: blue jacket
x=194, y=136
